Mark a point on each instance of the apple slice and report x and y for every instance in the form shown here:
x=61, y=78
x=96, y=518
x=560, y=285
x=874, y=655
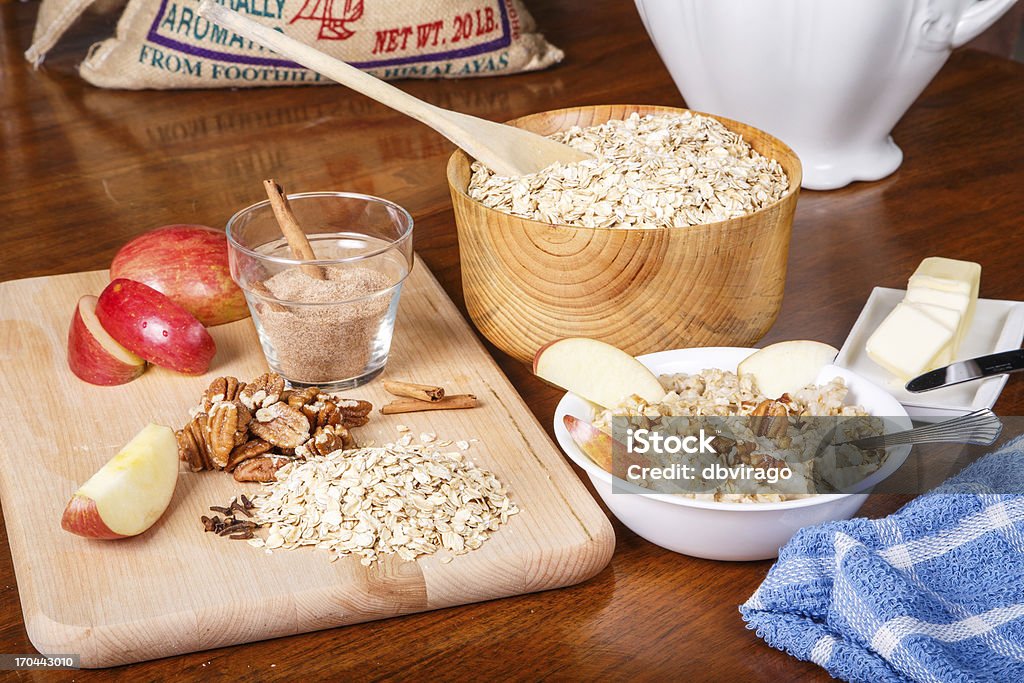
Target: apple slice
x=599, y=446
x=156, y=328
x=787, y=366
x=129, y=493
x=599, y=372
x=93, y=355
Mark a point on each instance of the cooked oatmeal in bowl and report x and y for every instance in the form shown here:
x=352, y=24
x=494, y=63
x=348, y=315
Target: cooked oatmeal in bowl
x=753, y=525
x=796, y=445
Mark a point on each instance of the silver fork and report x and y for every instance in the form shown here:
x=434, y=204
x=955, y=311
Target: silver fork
x=981, y=427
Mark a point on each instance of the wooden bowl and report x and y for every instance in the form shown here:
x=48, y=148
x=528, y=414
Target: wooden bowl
x=528, y=283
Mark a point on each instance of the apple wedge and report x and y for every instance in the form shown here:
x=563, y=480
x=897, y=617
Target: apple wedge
x=787, y=366
x=596, y=371
x=599, y=447
x=151, y=325
x=129, y=493
x=93, y=355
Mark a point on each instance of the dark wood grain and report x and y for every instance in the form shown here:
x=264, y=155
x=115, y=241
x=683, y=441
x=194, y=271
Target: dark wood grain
x=85, y=169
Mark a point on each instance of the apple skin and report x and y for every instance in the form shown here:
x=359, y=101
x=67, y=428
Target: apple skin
x=599, y=446
x=151, y=325
x=93, y=355
x=188, y=263
x=540, y=351
x=82, y=518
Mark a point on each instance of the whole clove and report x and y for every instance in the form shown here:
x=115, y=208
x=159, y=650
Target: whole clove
x=231, y=526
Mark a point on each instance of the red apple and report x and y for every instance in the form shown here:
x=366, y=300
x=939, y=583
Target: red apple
x=153, y=326
x=188, y=263
x=93, y=355
x=129, y=493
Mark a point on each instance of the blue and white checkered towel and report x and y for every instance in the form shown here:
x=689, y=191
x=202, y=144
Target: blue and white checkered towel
x=935, y=592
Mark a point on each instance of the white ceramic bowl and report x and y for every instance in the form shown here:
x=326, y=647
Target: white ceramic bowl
x=728, y=531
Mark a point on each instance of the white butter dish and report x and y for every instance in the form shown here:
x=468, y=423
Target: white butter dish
x=998, y=325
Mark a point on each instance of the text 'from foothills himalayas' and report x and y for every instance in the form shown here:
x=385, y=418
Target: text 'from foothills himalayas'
x=646, y=442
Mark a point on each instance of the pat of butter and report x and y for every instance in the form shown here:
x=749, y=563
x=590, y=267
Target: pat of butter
x=949, y=275
x=937, y=302
x=947, y=316
x=957, y=301
x=910, y=341
x=951, y=319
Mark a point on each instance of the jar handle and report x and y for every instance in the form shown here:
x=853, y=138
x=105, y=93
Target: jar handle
x=979, y=17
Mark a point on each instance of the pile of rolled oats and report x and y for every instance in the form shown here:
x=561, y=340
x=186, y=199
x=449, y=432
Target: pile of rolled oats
x=653, y=171
x=408, y=499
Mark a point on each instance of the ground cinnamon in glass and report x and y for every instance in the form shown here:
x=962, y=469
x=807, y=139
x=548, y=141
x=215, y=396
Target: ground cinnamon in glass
x=327, y=329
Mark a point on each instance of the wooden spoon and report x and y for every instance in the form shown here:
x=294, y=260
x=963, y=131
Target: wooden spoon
x=503, y=149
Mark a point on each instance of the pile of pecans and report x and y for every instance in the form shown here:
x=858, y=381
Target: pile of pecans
x=254, y=429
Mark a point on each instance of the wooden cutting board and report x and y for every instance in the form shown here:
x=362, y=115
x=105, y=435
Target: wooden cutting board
x=175, y=589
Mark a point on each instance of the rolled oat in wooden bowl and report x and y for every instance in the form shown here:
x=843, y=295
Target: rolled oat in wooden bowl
x=675, y=235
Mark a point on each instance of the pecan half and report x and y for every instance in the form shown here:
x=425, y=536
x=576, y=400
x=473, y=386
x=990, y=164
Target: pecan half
x=300, y=397
x=221, y=389
x=281, y=425
x=322, y=413
x=770, y=418
x=262, y=392
x=261, y=469
x=354, y=412
x=227, y=426
x=326, y=440
x=193, y=448
x=252, y=448
x=722, y=444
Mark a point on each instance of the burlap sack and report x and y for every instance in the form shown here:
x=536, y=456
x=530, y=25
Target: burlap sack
x=166, y=44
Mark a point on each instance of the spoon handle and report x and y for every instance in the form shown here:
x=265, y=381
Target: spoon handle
x=324, y=64
x=506, y=150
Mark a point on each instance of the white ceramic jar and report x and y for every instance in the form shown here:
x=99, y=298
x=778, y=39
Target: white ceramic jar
x=831, y=78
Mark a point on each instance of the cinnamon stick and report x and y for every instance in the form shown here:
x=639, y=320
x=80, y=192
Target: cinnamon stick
x=420, y=392
x=412, y=405
x=291, y=229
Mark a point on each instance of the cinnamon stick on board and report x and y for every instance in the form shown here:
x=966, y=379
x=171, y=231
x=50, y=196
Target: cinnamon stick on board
x=292, y=230
x=412, y=405
x=420, y=392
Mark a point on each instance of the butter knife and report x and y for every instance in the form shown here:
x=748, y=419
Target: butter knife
x=966, y=370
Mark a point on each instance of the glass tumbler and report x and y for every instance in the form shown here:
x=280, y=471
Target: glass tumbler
x=326, y=322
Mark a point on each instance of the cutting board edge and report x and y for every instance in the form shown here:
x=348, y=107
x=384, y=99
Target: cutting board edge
x=52, y=638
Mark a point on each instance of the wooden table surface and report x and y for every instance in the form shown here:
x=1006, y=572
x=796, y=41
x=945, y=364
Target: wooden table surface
x=86, y=169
